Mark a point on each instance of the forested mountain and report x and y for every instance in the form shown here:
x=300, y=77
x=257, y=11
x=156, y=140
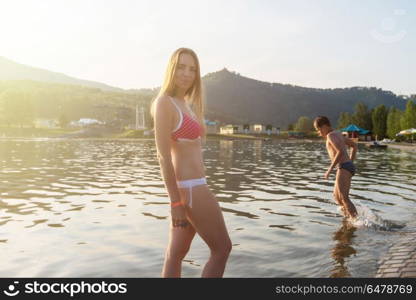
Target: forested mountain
x=234, y=98
x=230, y=98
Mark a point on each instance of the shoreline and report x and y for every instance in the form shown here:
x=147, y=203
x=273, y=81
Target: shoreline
x=43, y=134
x=130, y=134
x=399, y=146
x=215, y=137
x=411, y=148
x=58, y=136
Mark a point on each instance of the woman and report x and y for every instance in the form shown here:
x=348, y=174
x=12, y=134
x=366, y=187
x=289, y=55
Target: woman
x=178, y=133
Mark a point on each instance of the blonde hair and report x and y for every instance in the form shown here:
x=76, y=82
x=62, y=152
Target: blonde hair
x=193, y=95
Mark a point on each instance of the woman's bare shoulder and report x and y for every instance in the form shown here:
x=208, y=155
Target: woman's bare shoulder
x=163, y=102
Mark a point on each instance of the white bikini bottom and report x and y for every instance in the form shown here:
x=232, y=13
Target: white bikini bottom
x=189, y=184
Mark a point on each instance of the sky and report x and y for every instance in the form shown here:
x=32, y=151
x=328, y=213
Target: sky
x=127, y=43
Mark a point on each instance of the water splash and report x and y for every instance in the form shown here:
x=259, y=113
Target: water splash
x=369, y=219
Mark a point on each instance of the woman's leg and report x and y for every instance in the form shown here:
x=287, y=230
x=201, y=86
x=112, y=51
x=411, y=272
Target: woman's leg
x=180, y=240
x=208, y=221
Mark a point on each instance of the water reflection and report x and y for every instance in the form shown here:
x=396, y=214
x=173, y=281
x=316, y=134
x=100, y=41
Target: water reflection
x=343, y=249
x=87, y=200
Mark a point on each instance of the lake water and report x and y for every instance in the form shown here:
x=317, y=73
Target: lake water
x=98, y=208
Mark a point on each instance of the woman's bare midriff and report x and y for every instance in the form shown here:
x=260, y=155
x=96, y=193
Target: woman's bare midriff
x=187, y=159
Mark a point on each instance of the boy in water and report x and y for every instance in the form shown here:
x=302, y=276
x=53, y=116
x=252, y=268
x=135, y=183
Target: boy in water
x=337, y=144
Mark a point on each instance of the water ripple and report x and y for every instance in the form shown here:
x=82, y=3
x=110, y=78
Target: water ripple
x=87, y=200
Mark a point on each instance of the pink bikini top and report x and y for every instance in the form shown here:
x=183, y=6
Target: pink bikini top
x=188, y=128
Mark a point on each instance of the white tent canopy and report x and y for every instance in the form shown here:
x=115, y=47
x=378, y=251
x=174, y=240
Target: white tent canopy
x=407, y=132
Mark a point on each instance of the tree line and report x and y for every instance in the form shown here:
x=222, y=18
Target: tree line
x=381, y=121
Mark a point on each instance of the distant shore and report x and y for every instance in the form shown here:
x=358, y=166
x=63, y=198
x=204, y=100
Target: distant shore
x=131, y=134
x=401, y=146
x=109, y=133
x=69, y=133
x=31, y=132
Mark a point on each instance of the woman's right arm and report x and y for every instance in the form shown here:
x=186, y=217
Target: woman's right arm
x=163, y=119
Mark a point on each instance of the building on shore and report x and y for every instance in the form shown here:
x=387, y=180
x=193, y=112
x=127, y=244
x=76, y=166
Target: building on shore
x=231, y=129
x=211, y=127
x=264, y=129
x=86, y=122
x=255, y=129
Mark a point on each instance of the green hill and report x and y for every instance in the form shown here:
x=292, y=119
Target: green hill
x=232, y=98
